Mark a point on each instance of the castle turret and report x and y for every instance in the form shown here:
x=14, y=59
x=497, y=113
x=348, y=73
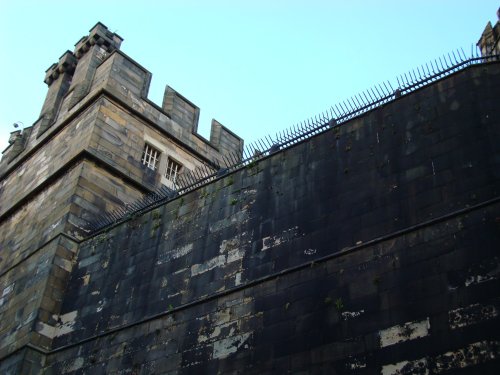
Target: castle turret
x=489, y=43
x=58, y=77
x=91, y=52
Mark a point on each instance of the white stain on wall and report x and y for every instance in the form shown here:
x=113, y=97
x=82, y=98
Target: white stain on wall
x=405, y=332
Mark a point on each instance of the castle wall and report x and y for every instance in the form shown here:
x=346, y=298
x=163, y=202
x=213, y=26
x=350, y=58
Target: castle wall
x=119, y=140
x=36, y=261
x=47, y=161
x=371, y=248
x=38, y=221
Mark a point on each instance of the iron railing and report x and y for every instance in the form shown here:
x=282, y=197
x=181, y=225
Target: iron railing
x=335, y=116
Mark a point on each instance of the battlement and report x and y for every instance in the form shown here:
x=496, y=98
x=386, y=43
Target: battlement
x=98, y=35
x=98, y=67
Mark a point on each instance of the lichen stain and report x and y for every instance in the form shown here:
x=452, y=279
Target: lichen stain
x=406, y=332
x=285, y=236
x=418, y=366
x=473, y=354
x=225, y=347
x=472, y=314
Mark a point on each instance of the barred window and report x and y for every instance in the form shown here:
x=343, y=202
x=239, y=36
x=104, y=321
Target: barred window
x=173, y=169
x=151, y=157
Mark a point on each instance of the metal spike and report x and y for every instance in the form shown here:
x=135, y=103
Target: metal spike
x=424, y=71
x=358, y=102
x=365, y=99
x=340, y=111
x=415, y=78
x=197, y=174
x=186, y=180
x=261, y=147
x=440, y=69
x=403, y=77
x=411, y=80
x=447, y=61
x=384, y=94
x=202, y=173
x=269, y=140
x=280, y=137
x=352, y=104
x=436, y=71
x=245, y=153
x=313, y=124
x=207, y=170
x=446, y=65
x=374, y=94
x=461, y=55
x=343, y=109
x=420, y=76
x=407, y=81
x=450, y=60
x=368, y=100
x=181, y=181
x=371, y=100
x=226, y=160
x=387, y=92
x=389, y=82
x=429, y=73
x=337, y=110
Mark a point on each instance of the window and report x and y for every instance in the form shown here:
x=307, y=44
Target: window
x=172, y=171
x=150, y=157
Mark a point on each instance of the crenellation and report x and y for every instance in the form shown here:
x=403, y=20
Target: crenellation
x=67, y=64
x=100, y=35
x=369, y=247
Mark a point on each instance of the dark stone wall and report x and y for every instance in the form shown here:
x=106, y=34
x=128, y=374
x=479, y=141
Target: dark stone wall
x=372, y=248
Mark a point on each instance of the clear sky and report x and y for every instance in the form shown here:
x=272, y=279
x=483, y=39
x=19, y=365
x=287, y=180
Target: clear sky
x=256, y=66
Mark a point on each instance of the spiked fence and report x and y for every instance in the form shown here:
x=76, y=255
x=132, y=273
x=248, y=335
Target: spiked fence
x=335, y=116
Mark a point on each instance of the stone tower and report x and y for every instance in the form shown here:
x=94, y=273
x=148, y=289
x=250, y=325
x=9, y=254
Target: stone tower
x=489, y=43
x=98, y=144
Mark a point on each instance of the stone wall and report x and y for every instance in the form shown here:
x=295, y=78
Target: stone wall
x=371, y=248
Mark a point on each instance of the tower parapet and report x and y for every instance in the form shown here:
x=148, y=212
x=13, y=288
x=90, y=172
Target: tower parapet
x=489, y=43
x=58, y=77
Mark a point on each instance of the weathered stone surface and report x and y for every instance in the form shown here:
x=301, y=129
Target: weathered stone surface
x=296, y=265
x=370, y=248
x=81, y=159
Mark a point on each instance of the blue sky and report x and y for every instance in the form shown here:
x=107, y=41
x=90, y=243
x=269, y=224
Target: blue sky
x=255, y=66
